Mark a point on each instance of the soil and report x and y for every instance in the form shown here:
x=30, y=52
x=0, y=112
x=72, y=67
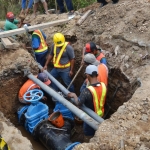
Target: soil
x=122, y=31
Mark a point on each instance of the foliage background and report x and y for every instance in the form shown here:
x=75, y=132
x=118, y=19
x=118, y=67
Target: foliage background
x=15, y=6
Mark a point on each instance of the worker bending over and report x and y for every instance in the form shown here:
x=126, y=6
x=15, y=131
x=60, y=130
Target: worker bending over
x=92, y=96
x=30, y=85
x=63, y=56
x=92, y=48
x=12, y=23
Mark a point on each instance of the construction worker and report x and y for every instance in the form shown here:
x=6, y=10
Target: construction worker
x=103, y=2
x=92, y=48
x=68, y=4
x=36, y=6
x=89, y=59
x=92, y=97
x=63, y=56
x=12, y=23
x=30, y=85
x=25, y=10
x=39, y=45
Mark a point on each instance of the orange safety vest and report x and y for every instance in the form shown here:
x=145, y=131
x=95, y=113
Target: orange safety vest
x=102, y=75
x=99, y=95
x=56, y=59
x=28, y=85
x=100, y=56
x=43, y=46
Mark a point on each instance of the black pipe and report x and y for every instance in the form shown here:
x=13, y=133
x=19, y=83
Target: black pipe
x=54, y=138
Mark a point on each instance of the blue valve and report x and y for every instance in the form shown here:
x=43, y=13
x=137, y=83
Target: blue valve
x=33, y=96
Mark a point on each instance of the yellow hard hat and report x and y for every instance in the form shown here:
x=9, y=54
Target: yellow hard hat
x=59, y=39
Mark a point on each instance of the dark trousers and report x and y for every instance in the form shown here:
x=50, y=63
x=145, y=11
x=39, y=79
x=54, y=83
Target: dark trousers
x=68, y=4
x=41, y=58
x=104, y=2
x=64, y=76
x=88, y=131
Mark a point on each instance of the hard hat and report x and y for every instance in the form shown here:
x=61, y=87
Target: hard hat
x=10, y=15
x=59, y=39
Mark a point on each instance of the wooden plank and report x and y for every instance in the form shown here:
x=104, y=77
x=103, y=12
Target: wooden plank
x=12, y=40
x=32, y=28
x=7, y=43
x=81, y=20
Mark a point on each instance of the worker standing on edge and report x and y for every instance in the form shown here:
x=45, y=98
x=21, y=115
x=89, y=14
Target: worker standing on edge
x=63, y=56
x=68, y=4
x=92, y=48
x=25, y=10
x=12, y=23
x=92, y=97
x=36, y=6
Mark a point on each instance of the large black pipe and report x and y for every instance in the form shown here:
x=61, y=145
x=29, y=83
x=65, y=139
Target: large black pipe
x=54, y=138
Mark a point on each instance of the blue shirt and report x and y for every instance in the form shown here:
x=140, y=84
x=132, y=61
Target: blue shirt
x=104, y=61
x=36, y=40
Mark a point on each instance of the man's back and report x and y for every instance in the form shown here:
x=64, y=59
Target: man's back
x=103, y=73
x=10, y=25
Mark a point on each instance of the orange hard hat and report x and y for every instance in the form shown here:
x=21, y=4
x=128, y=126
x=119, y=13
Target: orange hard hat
x=10, y=15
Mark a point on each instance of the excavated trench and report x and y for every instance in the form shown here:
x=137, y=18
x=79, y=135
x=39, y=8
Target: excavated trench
x=123, y=33
x=120, y=88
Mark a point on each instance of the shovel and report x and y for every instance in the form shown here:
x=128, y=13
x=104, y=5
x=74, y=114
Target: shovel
x=74, y=77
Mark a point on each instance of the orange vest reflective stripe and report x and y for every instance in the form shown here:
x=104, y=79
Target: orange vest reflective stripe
x=56, y=59
x=28, y=85
x=102, y=73
x=100, y=56
x=43, y=46
x=99, y=95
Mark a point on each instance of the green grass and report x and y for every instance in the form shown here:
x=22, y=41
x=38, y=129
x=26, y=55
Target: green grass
x=15, y=7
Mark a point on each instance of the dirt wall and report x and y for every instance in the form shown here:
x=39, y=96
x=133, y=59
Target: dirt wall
x=13, y=63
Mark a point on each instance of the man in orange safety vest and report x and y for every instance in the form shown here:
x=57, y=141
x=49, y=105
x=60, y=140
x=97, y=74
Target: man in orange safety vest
x=92, y=96
x=92, y=48
x=102, y=70
x=30, y=85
